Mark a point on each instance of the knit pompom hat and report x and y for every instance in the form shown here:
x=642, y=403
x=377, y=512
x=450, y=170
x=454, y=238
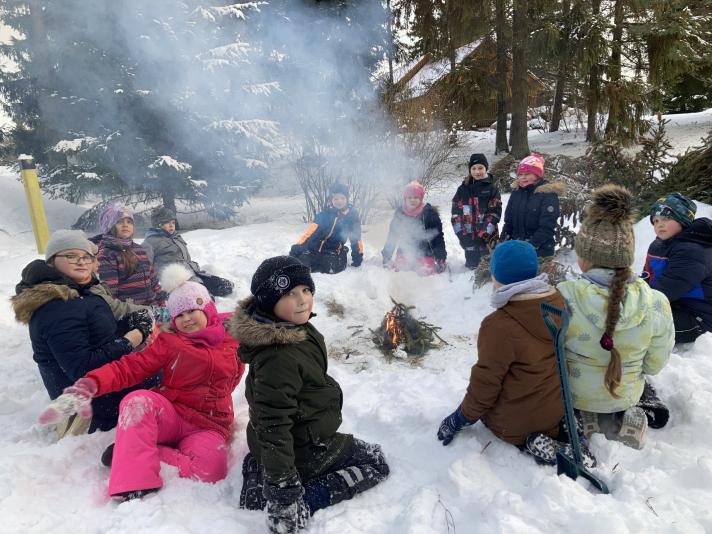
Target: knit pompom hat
x=183, y=293
x=533, y=164
x=606, y=237
x=480, y=159
x=112, y=214
x=275, y=277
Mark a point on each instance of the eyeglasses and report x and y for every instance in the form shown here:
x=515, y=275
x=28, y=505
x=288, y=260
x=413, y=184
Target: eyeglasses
x=75, y=259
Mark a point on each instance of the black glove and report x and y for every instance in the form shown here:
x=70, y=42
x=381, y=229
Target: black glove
x=356, y=260
x=286, y=510
x=452, y=424
x=140, y=320
x=297, y=250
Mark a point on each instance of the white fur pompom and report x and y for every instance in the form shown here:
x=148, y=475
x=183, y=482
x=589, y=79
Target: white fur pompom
x=173, y=276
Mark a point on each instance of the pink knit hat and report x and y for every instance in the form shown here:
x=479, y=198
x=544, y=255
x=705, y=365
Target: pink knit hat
x=183, y=294
x=112, y=214
x=414, y=189
x=533, y=164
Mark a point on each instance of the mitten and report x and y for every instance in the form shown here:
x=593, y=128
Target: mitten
x=440, y=266
x=297, y=250
x=452, y=424
x=286, y=510
x=141, y=320
x=75, y=399
x=356, y=260
x=160, y=314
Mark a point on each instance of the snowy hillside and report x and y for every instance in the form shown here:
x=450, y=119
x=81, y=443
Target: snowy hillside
x=477, y=484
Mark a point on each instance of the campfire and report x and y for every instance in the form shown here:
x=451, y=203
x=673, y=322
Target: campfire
x=402, y=335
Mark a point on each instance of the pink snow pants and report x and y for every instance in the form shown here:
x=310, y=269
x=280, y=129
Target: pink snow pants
x=149, y=432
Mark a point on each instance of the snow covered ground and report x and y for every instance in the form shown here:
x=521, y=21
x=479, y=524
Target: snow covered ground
x=477, y=484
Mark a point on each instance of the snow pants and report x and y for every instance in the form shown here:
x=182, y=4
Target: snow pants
x=687, y=326
x=325, y=262
x=149, y=432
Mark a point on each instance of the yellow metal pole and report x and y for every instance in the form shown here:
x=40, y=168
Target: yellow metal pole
x=28, y=171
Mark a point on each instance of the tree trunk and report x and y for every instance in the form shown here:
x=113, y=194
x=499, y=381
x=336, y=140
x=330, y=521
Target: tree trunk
x=392, y=44
x=564, y=58
x=501, y=144
x=594, y=90
x=614, y=73
x=520, y=97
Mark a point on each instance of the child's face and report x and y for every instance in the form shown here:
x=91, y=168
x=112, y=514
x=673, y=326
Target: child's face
x=296, y=306
x=665, y=227
x=169, y=227
x=191, y=321
x=412, y=202
x=478, y=171
x=526, y=179
x=338, y=201
x=124, y=228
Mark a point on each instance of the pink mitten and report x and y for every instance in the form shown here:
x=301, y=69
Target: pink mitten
x=75, y=399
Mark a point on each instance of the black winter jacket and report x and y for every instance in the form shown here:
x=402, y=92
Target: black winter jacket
x=73, y=331
x=416, y=237
x=532, y=214
x=476, y=204
x=295, y=406
x=681, y=268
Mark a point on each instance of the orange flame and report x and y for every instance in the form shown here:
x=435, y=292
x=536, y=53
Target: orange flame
x=392, y=328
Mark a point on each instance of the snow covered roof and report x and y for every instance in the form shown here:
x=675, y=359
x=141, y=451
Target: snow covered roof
x=423, y=78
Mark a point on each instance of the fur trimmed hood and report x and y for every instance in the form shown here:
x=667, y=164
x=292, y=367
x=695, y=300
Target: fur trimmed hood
x=33, y=298
x=253, y=334
x=559, y=188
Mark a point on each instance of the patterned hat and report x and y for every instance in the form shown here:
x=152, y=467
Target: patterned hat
x=606, y=236
x=275, y=277
x=533, y=164
x=675, y=206
x=112, y=214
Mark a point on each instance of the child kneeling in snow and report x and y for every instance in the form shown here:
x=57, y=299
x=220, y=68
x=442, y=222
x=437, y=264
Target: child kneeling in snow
x=620, y=329
x=679, y=264
x=514, y=386
x=417, y=232
x=298, y=462
x=185, y=421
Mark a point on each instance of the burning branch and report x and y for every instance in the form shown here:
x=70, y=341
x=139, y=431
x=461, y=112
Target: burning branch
x=399, y=330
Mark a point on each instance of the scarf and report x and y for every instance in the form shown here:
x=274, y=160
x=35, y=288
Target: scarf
x=502, y=295
x=214, y=332
x=603, y=277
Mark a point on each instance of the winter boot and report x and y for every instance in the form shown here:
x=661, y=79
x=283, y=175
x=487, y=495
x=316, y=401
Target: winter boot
x=543, y=448
x=252, y=482
x=108, y=455
x=589, y=423
x=135, y=494
x=289, y=518
x=633, y=427
x=656, y=412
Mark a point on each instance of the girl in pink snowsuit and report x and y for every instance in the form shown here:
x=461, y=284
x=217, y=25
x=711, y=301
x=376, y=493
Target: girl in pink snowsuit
x=185, y=421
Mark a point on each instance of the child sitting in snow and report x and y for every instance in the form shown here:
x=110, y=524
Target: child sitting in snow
x=298, y=462
x=514, y=386
x=124, y=265
x=165, y=246
x=476, y=210
x=186, y=420
x=533, y=208
x=620, y=330
x=323, y=248
x=679, y=264
x=416, y=235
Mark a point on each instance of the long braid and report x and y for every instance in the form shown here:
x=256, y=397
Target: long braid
x=615, y=297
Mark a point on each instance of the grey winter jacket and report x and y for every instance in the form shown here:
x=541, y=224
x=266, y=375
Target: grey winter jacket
x=164, y=248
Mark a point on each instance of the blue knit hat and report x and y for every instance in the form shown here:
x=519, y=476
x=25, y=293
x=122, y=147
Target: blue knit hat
x=513, y=261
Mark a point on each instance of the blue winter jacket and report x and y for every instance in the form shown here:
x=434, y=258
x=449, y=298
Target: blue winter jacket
x=72, y=331
x=330, y=231
x=532, y=214
x=681, y=268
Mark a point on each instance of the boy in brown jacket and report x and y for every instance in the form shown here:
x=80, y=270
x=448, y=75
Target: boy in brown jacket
x=514, y=386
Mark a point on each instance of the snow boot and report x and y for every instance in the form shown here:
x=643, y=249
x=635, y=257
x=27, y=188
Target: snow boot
x=589, y=423
x=543, y=448
x=289, y=518
x=107, y=456
x=251, y=497
x=656, y=412
x=633, y=428
x=135, y=494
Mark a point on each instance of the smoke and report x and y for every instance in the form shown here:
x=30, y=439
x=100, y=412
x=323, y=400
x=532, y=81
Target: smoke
x=237, y=90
